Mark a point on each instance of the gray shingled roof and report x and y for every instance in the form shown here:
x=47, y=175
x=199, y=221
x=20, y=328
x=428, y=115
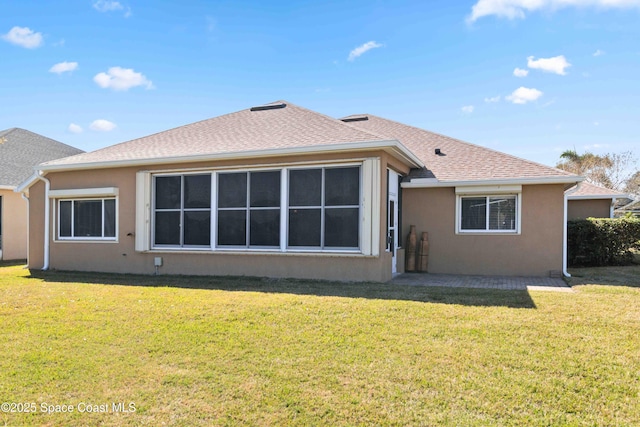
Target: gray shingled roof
x=21, y=150
x=458, y=160
x=250, y=130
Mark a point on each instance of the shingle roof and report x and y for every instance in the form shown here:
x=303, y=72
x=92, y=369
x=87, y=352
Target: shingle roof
x=458, y=160
x=21, y=150
x=591, y=191
x=278, y=127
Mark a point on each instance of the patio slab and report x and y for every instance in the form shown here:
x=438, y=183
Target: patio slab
x=483, y=282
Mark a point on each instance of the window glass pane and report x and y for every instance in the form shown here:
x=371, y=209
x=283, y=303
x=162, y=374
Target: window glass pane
x=168, y=192
x=232, y=228
x=197, y=191
x=110, y=218
x=474, y=213
x=304, y=227
x=264, y=227
x=342, y=186
x=305, y=187
x=197, y=228
x=232, y=190
x=65, y=219
x=87, y=218
x=502, y=213
x=167, y=228
x=265, y=189
x=341, y=228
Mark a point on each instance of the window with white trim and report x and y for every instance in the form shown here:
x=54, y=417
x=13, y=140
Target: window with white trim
x=87, y=219
x=498, y=213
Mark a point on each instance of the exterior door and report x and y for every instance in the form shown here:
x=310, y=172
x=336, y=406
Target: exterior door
x=392, y=219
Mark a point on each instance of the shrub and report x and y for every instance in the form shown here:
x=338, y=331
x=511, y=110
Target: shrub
x=602, y=241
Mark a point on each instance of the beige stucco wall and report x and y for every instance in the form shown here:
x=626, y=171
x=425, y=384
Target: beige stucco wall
x=14, y=226
x=581, y=209
x=121, y=256
x=536, y=251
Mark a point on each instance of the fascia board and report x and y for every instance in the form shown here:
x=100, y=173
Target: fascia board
x=434, y=183
x=24, y=186
x=8, y=187
x=392, y=146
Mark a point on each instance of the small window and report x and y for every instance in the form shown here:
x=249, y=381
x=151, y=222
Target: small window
x=489, y=213
x=87, y=219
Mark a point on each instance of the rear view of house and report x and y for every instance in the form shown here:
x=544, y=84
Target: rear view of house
x=278, y=190
x=20, y=152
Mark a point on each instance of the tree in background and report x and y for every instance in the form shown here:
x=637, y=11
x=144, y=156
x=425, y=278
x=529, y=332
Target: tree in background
x=616, y=171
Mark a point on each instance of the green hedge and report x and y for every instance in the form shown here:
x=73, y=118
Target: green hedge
x=602, y=241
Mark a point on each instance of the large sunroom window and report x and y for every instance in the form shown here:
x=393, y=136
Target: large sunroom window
x=182, y=214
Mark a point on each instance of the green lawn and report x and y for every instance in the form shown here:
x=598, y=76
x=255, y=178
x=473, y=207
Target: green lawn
x=243, y=351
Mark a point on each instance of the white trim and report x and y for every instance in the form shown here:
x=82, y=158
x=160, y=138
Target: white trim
x=434, y=183
x=84, y=192
x=393, y=147
x=95, y=239
x=143, y=211
x=565, y=215
x=47, y=213
x=9, y=187
x=489, y=189
x=284, y=209
x=25, y=185
x=600, y=197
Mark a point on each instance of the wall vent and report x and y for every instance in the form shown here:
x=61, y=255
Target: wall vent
x=355, y=119
x=273, y=106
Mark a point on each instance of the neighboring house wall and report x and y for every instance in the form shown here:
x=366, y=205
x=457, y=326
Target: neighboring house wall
x=595, y=208
x=14, y=226
x=120, y=256
x=536, y=251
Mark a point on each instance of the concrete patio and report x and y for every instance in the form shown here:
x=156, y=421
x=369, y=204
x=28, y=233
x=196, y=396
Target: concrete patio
x=482, y=282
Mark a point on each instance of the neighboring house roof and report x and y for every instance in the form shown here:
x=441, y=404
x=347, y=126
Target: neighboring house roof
x=22, y=150
x=457, y=160
x=633, y=206
x=283, y=128
x=275, y=129
x=586, y=190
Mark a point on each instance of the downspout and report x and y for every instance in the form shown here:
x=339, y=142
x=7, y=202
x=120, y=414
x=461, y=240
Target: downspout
x=47, y=187
x=26, y=199
x=565, y=251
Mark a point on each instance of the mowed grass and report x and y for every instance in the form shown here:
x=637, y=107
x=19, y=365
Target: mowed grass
x=207, y=351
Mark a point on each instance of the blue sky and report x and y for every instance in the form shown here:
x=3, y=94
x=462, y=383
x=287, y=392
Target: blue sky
x=530, y=78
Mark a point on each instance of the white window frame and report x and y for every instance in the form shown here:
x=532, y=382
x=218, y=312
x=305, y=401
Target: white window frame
x=86, y=238
x=101, y=193
x=181, y=209
x=489, y=192
x=369, y=209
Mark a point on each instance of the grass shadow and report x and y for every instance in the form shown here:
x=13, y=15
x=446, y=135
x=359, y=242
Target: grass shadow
x=12, y=263
x=628, y=275
x=383, y=291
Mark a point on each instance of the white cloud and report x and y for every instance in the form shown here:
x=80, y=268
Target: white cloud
x=522, y=95
x=362, y=49
x=512, y=9
x=556, y=65
x=23, y=36
x=101, y=125
x=107, y=5
x=519, y=72
x=468, y=109
x=74, y=128
x=494, y=99
x=598, y=52
x=62, y=67
x=118, y=78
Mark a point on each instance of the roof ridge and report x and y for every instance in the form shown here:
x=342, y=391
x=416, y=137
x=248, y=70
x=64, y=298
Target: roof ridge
x=475, y=145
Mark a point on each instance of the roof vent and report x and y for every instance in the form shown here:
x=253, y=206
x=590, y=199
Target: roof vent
x=274, y=106
x=438, y=152
x=355, y=119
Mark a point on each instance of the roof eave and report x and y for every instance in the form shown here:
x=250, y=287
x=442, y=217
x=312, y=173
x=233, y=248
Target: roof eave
x=7, y=187
x=435, y=183
x=26, y=184
x=393, y=147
